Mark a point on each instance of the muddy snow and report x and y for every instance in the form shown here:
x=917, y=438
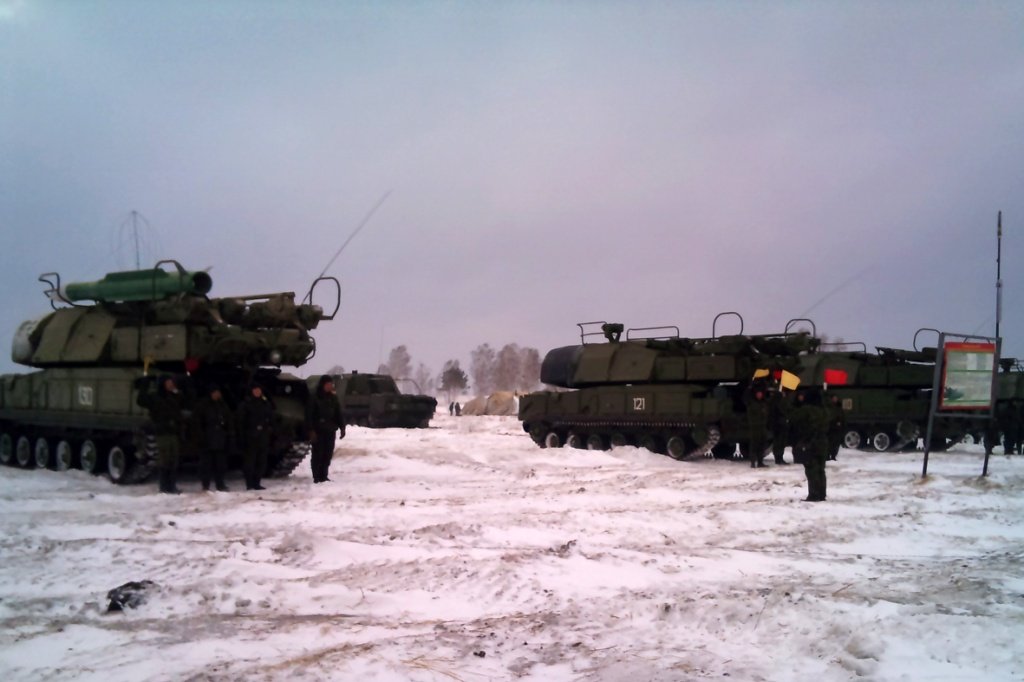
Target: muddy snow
x=464, y=552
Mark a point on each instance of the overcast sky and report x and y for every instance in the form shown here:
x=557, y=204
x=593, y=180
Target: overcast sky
x=549, y=162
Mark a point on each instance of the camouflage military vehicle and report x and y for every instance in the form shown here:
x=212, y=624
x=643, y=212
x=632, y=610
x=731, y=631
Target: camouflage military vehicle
x=78, y=410
x=686, y=396
x=374, y=400
x=654, y=389
x=887, y=395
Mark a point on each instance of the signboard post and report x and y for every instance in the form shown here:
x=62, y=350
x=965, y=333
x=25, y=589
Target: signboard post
x=964, y=386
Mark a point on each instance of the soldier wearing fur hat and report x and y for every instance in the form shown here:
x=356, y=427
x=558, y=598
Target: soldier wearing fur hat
x=255, y=424
x=809, y=423
x=216, y=427
x=324, y=419
x=167, y=413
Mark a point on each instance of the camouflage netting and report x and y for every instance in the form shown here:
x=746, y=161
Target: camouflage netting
x=501, y=404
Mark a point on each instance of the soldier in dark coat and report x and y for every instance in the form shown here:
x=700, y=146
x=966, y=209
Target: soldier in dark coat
x=216, y=426
x=757, y=422
x=778, y=422
x=324, y=419
x=1009, y=421
x=166, y=411
x=836, y=425
x=809, y=423
x=255, y=425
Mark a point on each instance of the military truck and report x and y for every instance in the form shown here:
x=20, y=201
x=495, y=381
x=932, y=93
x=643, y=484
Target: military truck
x=374, y=400
x=78, y=410
x=655, y=389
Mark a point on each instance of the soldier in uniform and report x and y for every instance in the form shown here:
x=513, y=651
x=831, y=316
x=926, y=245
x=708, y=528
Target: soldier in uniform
x=1011, y=427
x=324, y=419
x=255, y=426
x=166, y=411
x=778, y=421
x=757, y=422
x=809, y=422
x=836, y=425
x=216, y=427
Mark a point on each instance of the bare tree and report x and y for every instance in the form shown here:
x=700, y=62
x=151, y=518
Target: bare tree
x=507, y=368
x=424, y=379
x=336, y=370
x=481, y=367
x=529, y=371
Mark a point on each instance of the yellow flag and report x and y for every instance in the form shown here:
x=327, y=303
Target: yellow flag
x=758, y=373
x=789, y=380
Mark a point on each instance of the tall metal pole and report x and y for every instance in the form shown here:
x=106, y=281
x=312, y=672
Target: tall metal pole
x=999, y=279
x=134, y=231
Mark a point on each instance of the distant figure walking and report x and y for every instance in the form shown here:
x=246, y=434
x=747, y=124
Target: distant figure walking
x=451, y=408
x=324, y=419
x=458, y=410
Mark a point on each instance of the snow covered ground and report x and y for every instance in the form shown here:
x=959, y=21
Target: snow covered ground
x=464, y=552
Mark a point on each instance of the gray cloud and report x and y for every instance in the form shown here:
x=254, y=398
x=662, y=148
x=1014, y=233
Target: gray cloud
x=551, y=162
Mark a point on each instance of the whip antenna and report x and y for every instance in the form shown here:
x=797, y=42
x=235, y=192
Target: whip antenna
x=352, y=236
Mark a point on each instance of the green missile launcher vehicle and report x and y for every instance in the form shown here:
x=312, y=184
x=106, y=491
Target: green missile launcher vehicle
x=78, y=410
x=655, y=389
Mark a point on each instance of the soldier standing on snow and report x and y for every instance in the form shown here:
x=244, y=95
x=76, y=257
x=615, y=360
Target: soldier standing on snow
x=809, y=422
x=757, y=422
x=836, y=425
x=324, y=418
x=216, y=427
x=255, y=427
x=166, y=411
x=778, y=421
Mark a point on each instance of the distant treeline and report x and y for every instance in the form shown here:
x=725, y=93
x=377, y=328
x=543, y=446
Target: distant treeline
x=512, y=368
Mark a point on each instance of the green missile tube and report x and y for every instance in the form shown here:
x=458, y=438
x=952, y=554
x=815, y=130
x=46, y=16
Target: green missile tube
x=138, y=285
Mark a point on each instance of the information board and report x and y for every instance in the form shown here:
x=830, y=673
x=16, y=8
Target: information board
x=967, y=377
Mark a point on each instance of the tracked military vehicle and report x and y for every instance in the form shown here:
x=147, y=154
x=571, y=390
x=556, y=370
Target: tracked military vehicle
x=886, y=395
x=655, y=389
x=374, y=400
x=78, y=410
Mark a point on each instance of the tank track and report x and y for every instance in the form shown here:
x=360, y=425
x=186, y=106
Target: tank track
x=289, y=460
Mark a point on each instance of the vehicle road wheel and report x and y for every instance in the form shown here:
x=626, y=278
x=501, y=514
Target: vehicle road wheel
x=676, y=447
x=89, y=457
x=118, y=464
x=595, y=441
x=552, y=440
x=618, y=440
x=6, y=449
x=575, y=440
x=653, y=443
x=24, y=453
x=852, y=439
x=881, y=441
x=42, y=453
x=65, y=456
